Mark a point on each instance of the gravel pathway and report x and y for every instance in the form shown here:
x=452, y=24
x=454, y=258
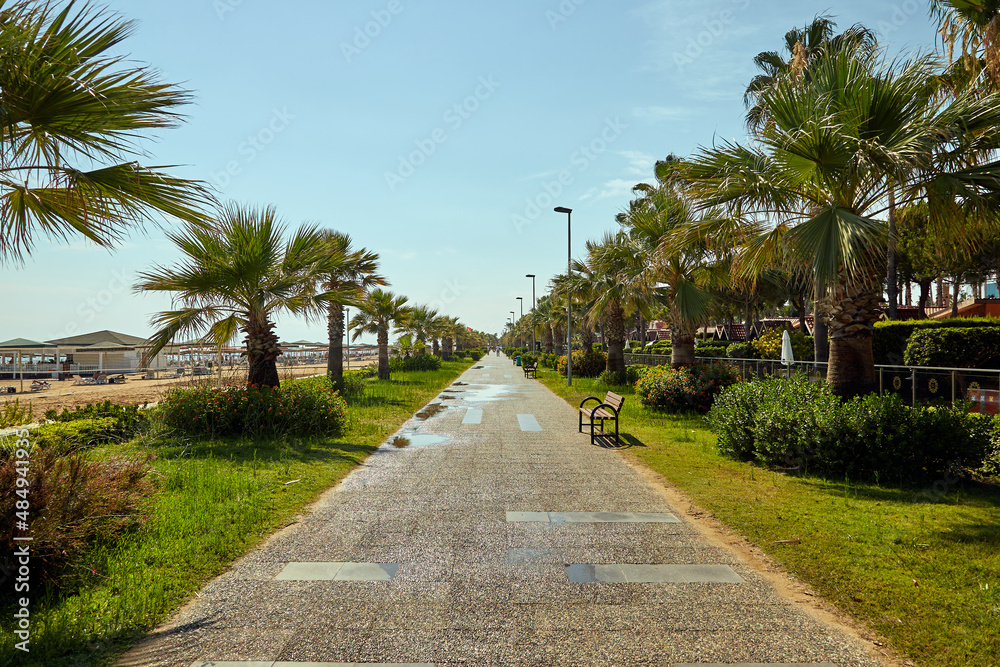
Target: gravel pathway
x=492, y=533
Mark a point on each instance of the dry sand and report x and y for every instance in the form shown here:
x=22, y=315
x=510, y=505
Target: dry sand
x=64, y=394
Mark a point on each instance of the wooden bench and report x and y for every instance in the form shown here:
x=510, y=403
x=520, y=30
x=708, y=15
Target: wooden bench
x=530, y=371
x=606, y=411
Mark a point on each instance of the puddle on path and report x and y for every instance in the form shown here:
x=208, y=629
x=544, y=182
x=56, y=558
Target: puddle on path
x=486, y=392
x=459, y=384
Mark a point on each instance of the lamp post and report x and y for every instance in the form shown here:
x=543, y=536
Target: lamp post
x=347, y=336
x=512, y=327
x=532, y=276
x=569, y=301
x=521, y=299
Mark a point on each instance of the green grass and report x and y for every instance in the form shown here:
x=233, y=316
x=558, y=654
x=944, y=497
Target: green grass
x=216, y=501
x=920, y=566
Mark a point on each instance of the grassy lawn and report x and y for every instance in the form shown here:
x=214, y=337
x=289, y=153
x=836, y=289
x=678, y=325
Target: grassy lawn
x=920, y=566
x=216, y=501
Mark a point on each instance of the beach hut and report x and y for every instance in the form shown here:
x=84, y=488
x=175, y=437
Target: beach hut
x=17, y=348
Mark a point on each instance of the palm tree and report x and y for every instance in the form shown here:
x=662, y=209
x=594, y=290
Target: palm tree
x=975, y=26
x=238, y=275
x=450, y=330
x=347, y=275
x=72, y=116
x=834, y=148
x=421, y=324
x=803, y=46
x=378, y=313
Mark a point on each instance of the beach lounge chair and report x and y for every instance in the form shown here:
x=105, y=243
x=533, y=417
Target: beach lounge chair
x=77, y=379
x=40, y=385
x=101, y=378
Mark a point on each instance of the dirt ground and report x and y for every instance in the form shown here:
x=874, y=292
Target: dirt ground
x=64, y=394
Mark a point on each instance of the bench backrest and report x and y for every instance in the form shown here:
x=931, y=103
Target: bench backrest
x=614, y=400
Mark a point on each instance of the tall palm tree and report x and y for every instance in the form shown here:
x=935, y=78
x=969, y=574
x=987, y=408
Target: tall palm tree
x=450, y=330
x=803, y=46
x=378, y=313
x=237, y=275
x=973, y=26
x=823, y=168
x=421, y=325
x=74, y=109
x=347, y=275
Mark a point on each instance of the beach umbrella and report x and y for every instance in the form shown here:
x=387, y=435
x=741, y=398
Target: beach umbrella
x=787, y=356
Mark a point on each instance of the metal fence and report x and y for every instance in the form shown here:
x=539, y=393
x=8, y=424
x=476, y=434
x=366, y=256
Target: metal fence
x=925, y=385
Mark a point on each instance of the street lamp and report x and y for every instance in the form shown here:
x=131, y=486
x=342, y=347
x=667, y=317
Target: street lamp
x=532, y=276
x=569, y=301
x=521, y=299
x=512, y=327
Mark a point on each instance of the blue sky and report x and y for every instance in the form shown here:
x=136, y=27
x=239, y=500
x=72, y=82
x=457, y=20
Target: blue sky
x=440, y=134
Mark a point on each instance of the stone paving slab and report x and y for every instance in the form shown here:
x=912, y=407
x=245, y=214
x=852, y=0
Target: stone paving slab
x=484, y=521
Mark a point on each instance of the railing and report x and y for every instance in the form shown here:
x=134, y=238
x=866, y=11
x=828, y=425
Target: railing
x=917, y=384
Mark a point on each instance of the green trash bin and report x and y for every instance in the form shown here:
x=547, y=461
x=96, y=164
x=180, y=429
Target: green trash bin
x=517, y=360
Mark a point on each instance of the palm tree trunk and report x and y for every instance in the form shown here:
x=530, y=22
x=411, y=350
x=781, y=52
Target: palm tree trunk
x=892, y=281
x=682, y=337
x=437, y=348
x=587, y=337
x=821, y=342
x=925, y=294
x=262, y=351
x=549, y=345
x=335, y=332
x=850, y=313
x=956, y=286
x=448, y=348
x=383, y=354
x=614, y=335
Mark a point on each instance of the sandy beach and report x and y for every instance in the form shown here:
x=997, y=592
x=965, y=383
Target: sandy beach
x=64, y=394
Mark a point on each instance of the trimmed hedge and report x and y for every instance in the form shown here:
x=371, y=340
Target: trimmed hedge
x=954, y=348
x=418, y=362
x=798, y=424
x=889, y=339
x=742, y=351
x=717, y=351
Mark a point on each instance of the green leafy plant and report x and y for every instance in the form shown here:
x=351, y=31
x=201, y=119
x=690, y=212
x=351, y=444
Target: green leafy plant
x=889, y=339
x=963, y=347
x=587, y=364
x=301, y=408
x=628, y=377
x=12, y=413
x=690, y=388
x=741, y=351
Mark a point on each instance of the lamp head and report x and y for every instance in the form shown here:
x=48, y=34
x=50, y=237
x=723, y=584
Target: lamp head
x=529, y=275
x=562, y=209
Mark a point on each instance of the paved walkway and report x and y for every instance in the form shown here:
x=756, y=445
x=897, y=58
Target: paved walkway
x=497, y=536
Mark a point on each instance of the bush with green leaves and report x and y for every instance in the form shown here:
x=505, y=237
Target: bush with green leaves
x=797, y=424
x=418, y=362
x=477, y=353
x=664, y=347
x=964, y=347
x=12, y=413
x=354, y=383
x=529, y=359
x=889, y=339
x=587, y=364
x=297, y=408
x=711, y=351
x=688, y=389
x=741, y=350
x=626, y=378
x=549, y=360
x=127, y=421
x=768, y=346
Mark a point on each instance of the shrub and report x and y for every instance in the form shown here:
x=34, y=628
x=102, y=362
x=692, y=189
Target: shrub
x=588, y=364
x=889, y=340
x=528, y=359
x=800, y=424
x=298, y=408
x=74, y=503
x=658, y=347
x=717, y=351
x=127, y=420
x=476, y=353
x=628, y=377
x=549, y=360
x=599, y=347
x=741, y=351
x=418, y=362
x=63, y=438
x=354, y=383
x=12, y=413
x=684, y=389
x=964, y=347
x=768, y=346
